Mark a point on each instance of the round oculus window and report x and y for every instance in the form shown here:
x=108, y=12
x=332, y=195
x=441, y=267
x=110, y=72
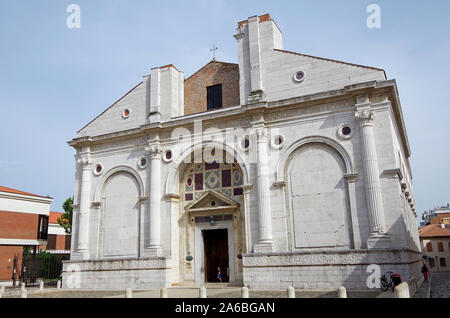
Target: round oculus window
x=142, y=162
x=126, y=113
x=299, y=76
x=346, y=131
x=278, y=142
x=98, y=169
x=167, y=156
x=245, y=143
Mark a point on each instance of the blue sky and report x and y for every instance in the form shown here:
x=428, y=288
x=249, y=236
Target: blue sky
x=54, y=80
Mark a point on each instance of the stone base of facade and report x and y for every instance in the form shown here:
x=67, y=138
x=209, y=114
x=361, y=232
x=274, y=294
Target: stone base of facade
x=378, y=241
x=117, y=274
x=6, y=283
x=327, y=270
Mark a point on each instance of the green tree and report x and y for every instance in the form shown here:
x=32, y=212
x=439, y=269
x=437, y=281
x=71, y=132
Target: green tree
x=65, y=220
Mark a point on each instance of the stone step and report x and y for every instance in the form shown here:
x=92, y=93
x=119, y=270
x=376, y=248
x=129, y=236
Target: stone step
x=206, y=285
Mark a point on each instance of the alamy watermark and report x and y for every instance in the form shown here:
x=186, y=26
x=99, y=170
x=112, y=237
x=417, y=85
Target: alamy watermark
x=74, y=19
x=236, y=141
x=374, y=18
x=73, y=280
x=374, y=278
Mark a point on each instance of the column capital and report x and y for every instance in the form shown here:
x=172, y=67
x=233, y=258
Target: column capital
x=262, y=134
x=85, y=161
x=155, y=150
x=365, y=117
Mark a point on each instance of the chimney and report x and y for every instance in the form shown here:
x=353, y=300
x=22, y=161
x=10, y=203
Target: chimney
x=166, y=93
x=257, y=37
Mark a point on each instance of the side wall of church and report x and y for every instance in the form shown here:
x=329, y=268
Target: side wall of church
x=298, y=124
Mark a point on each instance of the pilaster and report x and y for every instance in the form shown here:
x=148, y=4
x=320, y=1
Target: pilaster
x=378, y=237
x=265, y=241
x=82, y=248
x=153, y=248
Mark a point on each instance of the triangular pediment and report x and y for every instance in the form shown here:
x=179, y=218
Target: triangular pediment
x=212, y=200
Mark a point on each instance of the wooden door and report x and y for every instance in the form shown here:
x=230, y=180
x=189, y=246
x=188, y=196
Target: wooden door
x=216, y=255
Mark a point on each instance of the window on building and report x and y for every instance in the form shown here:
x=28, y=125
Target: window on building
x=449, y=246
x=440, y=247
x=214, y=96
x=67, y=242
x=429, y=247
x=51, y=242
x=442, y=262
x=42, y=227
x=431, y=262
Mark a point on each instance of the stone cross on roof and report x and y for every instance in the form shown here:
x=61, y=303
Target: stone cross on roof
x=214, y=49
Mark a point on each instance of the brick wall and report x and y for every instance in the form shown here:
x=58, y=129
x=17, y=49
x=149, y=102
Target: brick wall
x=18, y=225
x=58, y=242
x=213, y=73
x=7, y=254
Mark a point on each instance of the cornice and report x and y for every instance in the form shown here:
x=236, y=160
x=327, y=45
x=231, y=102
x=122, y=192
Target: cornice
x=394, y=172
x=240, y=111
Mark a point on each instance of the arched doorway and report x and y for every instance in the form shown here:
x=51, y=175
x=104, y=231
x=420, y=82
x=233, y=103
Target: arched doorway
x=212, y=232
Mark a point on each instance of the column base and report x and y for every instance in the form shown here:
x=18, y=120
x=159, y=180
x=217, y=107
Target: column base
x=153, y=252
x=264, y=247
x=378, y=241
x=80, y=256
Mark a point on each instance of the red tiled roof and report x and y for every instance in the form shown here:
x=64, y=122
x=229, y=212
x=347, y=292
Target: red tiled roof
x=53, y=217
x=433, y=230
x=10, y=190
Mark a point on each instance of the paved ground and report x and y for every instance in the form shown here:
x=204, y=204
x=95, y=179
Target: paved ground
x=440, y=285
x=422, y=292
x=440, y=288
x=213, y=292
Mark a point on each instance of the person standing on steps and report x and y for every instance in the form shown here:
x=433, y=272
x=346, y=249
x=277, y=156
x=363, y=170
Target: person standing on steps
x=219, y=274
x=425, y=271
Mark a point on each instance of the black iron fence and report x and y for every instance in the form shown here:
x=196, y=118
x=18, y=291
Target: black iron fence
x=40, y=266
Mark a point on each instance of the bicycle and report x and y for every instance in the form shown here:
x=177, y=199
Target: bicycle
x=390, y=281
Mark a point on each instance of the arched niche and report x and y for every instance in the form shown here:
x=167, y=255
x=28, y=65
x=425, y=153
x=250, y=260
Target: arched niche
x=317, y=193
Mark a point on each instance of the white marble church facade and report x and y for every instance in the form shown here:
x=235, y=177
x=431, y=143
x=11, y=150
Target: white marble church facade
x=314, y=184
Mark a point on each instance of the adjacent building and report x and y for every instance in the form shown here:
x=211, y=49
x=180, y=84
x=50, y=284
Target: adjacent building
x=437, y=216
x=58, y=241
x=435, y=242
x=281, y=169
x=23, y=223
